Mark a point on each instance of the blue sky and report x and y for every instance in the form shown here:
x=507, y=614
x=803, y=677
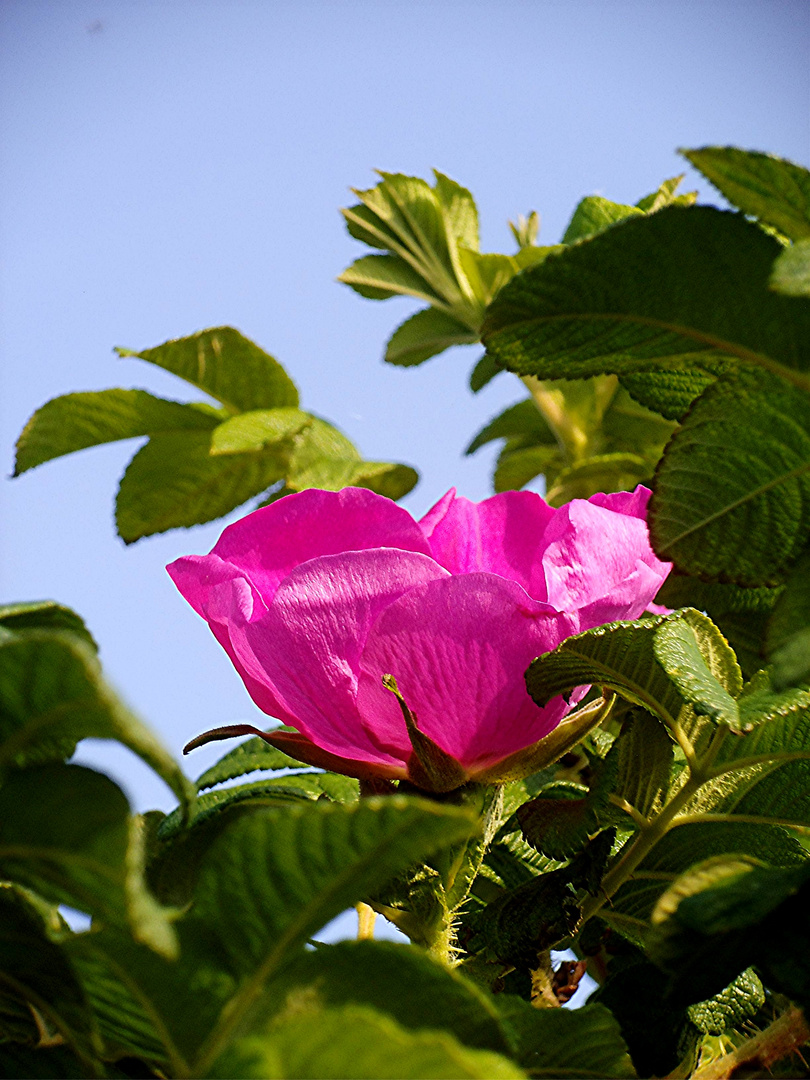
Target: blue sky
x=173, y=165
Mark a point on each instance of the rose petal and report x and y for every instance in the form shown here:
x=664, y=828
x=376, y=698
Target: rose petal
x=268, y=543
x=458, y=648
x=597, y=559
x=501, y=536
x=308, y=644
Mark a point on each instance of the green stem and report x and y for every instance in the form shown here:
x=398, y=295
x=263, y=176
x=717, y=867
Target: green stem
x=654, y=830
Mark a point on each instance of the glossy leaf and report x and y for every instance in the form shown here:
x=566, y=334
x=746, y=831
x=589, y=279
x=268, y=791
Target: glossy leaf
x=76, y=421
x=53, y=694
x=226, y=365
x=175, y=482
x=681, y=290
x=732, y=492
x=770, y=188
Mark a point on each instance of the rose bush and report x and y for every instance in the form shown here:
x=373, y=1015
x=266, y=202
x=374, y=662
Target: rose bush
x=319, y=596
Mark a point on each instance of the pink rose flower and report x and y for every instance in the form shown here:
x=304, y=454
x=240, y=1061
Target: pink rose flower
x=319, y=596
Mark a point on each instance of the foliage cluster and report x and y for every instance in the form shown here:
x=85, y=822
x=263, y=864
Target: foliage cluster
x=663, y=341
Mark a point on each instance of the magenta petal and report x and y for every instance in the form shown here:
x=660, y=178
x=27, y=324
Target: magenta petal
x=309, y=642
x=458, y=648
x=267, y=544
x=597, y=559
x=499, y=536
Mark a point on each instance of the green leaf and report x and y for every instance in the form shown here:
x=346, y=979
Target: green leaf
x=379, y=277
x=226, y=365
x=400, y=980
x=791, y=271
x=559, y=821
x=76, y=421
x=515, y=468
x=331, y=1044
x=644, y=755
x=665, y=195
x=631, y=907
x=423, y=230
x=662, y=664
x=567, y=1044
x=174, y=481
x=52, y=695
x=728, y=914
x=770, y=188
x=33, y=970
x=44, y=615
x=426, y=334
x=247, y=757
x=732, y=491
x=740, y=1000
x=627, y=426
x=483, y=373
x=593, y=215
x=523, y=420
x=251, y=431
x=324, y=458
x=274, y=877
x=65, y=833
x=683, y=290
x=602, y=472
x=788, y=637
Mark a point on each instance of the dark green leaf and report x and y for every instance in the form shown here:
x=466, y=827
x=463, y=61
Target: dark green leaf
x=52, y=695
x=668, y=392
x=44, y=615
x=662, y=664
x=644, y=753
x=425, y=334
x=563, y=1044
x=174, y=481
x=54, y=1061
x=331, y=1044
x=65, y=833
x=679, y=290
x=559, y=821
x=76, y=421
x=631, y=907
x=253, y=430
x=593, y=215
x=523, y=420
x=226, y=365
x=34, y=970
x=727, y=914
x=770, y=188
x=732, y=491
x=788, y=637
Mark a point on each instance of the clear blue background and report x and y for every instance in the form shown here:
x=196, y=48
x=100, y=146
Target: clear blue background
x=176, y=165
